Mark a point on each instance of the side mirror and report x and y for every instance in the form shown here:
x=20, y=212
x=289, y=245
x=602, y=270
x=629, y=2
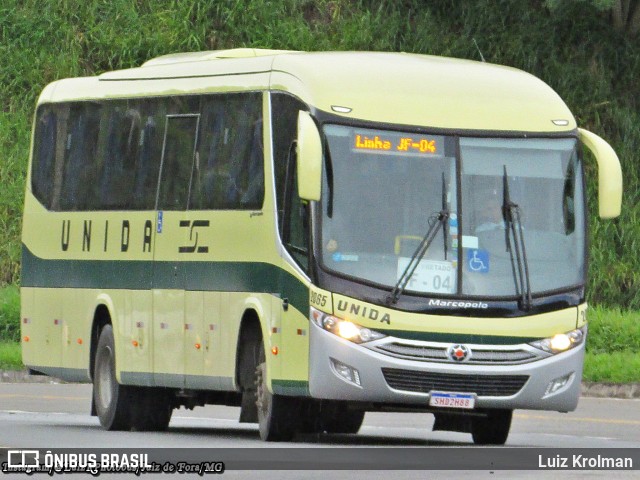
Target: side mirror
x=609, y=174
x=309, y=158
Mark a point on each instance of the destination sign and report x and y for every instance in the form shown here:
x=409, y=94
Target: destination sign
x=397, y=143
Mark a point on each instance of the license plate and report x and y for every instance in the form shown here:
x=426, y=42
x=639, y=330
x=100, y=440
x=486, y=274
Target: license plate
x=452, y=400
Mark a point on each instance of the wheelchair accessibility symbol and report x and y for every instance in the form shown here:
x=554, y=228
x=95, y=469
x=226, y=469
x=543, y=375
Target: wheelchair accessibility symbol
x=478, y=261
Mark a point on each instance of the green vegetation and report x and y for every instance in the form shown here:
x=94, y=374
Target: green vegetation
x=10, y=356
x=571, y=45
x=613, y=346
x=615, y=367
x=10, y=314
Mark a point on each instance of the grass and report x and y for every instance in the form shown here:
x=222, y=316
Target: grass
x=614, y=367
x=10, y=314
x=10, y=356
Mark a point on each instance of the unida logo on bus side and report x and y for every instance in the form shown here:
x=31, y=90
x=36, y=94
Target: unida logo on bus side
x=98, y=235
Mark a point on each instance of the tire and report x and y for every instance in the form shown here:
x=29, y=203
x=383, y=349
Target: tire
x=278, y=416
x=151, y=409
x=492, y=429
x=112, y=400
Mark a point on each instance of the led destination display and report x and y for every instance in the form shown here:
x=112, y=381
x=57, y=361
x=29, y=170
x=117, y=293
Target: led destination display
x=397, y=143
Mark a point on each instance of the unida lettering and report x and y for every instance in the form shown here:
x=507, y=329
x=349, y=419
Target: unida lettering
x=363, y=311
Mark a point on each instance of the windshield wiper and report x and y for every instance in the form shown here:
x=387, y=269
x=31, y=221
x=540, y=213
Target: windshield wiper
x=513, y=230
x=436, y=222
x=445, y=225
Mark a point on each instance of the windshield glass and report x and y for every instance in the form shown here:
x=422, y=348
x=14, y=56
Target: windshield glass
x=382, y=190
x=543, y=179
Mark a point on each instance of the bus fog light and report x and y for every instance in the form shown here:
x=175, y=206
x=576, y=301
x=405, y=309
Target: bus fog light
x=345, y=371
x=558, y=383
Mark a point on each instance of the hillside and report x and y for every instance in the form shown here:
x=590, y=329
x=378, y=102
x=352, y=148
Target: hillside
x=572, y=47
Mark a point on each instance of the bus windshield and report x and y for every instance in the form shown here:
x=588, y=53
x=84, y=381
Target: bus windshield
x=384, y=190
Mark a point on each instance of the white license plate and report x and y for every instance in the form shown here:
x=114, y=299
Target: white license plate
x=452, y=400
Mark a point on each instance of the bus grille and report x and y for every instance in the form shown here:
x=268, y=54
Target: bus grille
x=482, y=385
x=434, y=353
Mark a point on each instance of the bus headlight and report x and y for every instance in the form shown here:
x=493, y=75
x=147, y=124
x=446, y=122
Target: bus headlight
x=344, y=328
x=562, y=341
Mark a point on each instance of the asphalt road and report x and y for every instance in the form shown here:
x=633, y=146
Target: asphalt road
x=57, y=416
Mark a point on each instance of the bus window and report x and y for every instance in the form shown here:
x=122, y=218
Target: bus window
x=148, y=164
x=79, y=168
x=206, y=179
x=44, y=156
x=228, y=172
x=296, y=224
x=119, y=157
x=284, y=120
x=181, y=132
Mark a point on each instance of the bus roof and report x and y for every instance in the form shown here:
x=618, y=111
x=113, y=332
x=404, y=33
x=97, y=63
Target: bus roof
x=394, y=88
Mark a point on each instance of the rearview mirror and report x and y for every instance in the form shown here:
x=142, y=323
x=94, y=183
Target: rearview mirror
x=609, y=174
x=309, y=158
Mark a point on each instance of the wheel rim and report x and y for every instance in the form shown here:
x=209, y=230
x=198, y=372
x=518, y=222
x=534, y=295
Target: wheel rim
x=105, y=381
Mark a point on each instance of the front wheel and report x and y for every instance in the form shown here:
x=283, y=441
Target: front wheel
x=111, y=399
x=492, y=429
x=278, y=415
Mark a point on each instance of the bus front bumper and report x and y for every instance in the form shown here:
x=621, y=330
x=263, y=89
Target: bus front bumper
x=342, y=370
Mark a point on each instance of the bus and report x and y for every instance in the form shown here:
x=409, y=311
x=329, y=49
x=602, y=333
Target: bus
x=310, y=236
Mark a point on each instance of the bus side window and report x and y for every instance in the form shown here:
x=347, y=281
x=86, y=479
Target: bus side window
x=206, y=178
x=254, y=192
x=79, y=167
x=44, y=156
x=119, y=157
x=292, y=212
x=245, y=187
x=147, y=165
x=178, y=158
x=296, y=222
x=228, y=171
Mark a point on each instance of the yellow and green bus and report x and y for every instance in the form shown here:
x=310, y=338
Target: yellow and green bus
x=310, y=236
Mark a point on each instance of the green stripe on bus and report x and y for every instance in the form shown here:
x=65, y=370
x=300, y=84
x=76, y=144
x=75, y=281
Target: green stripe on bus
x=139, y=275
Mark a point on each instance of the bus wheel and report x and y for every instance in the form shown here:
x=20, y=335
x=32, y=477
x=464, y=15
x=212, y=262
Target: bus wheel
x=492, y=429
x=277, y=415
x=111, y=399
x=151, y=409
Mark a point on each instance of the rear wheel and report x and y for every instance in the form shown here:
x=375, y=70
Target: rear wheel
x=112, y=400
x=492, y=429
x=278, y=416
